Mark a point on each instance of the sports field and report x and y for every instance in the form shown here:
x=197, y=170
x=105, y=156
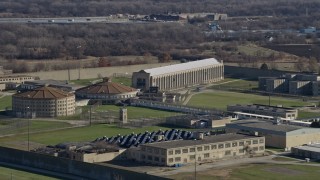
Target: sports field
x=8, y=173
x=220, y=100
x=256, y=171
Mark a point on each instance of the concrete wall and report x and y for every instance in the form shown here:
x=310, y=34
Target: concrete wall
x=68, y=166
x=303, y=138
x=252, y=73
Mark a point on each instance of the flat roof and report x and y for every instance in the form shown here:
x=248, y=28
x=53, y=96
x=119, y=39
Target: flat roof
x=206, y=140
x=181, y=67
x=266, y=125
x=310, y=147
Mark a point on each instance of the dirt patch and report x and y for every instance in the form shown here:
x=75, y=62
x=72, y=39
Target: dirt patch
x=282, y=170
x=222, y=173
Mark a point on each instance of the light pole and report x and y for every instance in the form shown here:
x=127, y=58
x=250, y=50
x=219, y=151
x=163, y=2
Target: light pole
x=28, y=128
x=195, y=161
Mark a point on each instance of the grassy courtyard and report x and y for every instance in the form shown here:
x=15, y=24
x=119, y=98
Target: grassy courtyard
x=5, y=102
x=137, y=112
x=8, y=173
x=220, y=100
x=306, y=114
x=256, y=171
x=88, y=133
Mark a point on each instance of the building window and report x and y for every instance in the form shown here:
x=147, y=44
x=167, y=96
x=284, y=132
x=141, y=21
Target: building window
x=199, y=148
x=221, y=146
x=170, y=160
x=206, y=155
x=162, y=159
x=241, y=151
x=163, y=152
x=192, y=149
x=177, y=159
x=170, y=152
x=192, y=157
x=234, y=144
x=241, y=143
x=261, y=141
x=248, y=142
x=150, y=158
x=206, y=148
x=255, y=148
x=255, y=142
x=214, y=146
x=178, y=151
x=261, y=148
x=227, y=153
x=227, y=145
x=185, y=150
x=143, y=156
x=156, y=159
x=156, y=151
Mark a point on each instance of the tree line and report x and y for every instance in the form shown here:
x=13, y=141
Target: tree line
x=58, y=8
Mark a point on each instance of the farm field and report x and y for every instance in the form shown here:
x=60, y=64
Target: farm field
x=220, y=100
x=256, y=171
x=8, y=173
x=80, y=134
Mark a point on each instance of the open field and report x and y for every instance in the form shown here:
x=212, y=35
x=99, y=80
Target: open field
x=5, y=101
x=137, y=112
x=8, y=173
x=255, y=171
x=88, y=133
x=306, y=114
x=237, y=84
x=21, y=126
x=85, y=82
x=220, y=100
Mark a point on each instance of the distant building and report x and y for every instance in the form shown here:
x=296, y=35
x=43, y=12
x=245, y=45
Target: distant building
x=63, y=85
x=179, y=76
x=311, y=151
x=308, y=30
x=107, y=92
x=205, y=149
x=43, y=102
x=277, y=135
x=275, y=111
x=297, y=84
x=198, y=121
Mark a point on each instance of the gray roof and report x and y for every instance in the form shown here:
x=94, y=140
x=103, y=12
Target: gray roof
x=207, y=140
x=182, y=67
x=311, y=147
x=265, y=125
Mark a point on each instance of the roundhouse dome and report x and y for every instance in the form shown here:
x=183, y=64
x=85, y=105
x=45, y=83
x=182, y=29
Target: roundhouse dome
x=43, y=102
x=107, y=90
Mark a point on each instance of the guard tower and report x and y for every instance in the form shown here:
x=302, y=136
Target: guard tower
x=123, y=115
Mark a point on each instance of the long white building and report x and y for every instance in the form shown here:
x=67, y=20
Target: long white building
x=179, y=76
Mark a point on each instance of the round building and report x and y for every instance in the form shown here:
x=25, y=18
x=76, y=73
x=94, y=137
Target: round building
x=43, y=102
x=107, y=92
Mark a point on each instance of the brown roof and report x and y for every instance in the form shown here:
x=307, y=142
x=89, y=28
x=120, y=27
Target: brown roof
x=44, y=93
x=106, y=87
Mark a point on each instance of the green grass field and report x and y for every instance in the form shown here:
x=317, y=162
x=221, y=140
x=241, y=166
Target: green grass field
x=85, y=82
x=35, y=126
x=256, y=171
x=137, y=112
x=220, y=100
x=5, y=101
x=305, y=114
x=8, y=173
x=88, y=133
x=238, y=84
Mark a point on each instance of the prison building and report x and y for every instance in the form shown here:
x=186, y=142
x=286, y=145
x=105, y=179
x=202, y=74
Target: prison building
x=204, y=149
x=179, y=76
